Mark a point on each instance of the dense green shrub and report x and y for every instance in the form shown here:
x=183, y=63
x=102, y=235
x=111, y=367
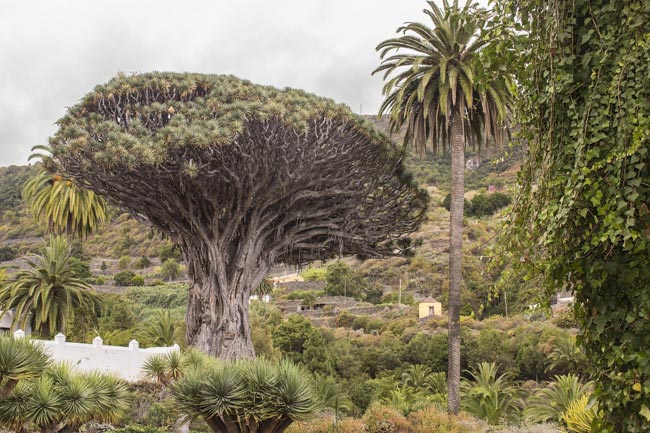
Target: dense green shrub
x=124, y=262
x=124, y=278
x=8, y=253
x=314, y=274
x=137, y=280
x=487, y=204
x=169, y=251
x=170, y=269
x=143, y=262
x=482, y=204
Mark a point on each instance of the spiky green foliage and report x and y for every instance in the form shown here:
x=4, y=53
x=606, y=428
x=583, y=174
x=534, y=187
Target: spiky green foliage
x=62, y=205
x=161, y=329
x=20, y=359
x=171, y=366
x=47, y=289
x=579, y=415
x=247, y=396
x=62, y=400
x=490, y=396
x=331, y=395
x=550, y=403
x=437, y=71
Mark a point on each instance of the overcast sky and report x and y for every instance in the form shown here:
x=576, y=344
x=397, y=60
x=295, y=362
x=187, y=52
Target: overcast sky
x=52, y=52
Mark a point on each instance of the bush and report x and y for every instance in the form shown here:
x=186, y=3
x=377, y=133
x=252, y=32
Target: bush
x=156, y=282
x=169, y=251
x=7, y=253
x=434, y=420
x=124, y=262
x=487, y=204
x=170, y=269
x=124, y=278
x=482, y=204
x=100, y=281
x=143, y=262
x=314, y=274
x=384, y=419
x=137, y=280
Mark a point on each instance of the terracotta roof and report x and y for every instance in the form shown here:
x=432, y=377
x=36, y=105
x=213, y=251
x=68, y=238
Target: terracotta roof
x=428, y=300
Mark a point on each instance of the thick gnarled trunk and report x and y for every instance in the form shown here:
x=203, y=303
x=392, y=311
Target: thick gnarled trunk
x=455, y=259
x=217, y=315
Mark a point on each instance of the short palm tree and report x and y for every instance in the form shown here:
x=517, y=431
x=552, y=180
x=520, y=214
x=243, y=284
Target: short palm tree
x=161, y=330
x=48, y=290
x=416, y=376
x=550, y=403
x=20, y=360
x=63, y=206
x=446, y=98
x=490, y=396
x=331, y=395
x=247, y=396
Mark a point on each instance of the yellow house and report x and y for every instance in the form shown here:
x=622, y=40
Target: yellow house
x=429, y=307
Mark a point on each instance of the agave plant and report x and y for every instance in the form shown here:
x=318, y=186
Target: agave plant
x=20, y=359
x=62, y=400
x=247, y=396
x=490, y=396
x=550, y=403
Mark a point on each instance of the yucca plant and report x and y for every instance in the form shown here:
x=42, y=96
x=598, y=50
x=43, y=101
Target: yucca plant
x=48, y=289
x=20, y=359
x=550, y=403
x=62, y=400
x=247, y=396
x=490, y=396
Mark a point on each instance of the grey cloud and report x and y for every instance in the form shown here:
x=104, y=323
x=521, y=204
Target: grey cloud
x=52, y=52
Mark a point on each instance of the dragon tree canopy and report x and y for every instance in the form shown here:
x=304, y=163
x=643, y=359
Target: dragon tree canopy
x=241, y=176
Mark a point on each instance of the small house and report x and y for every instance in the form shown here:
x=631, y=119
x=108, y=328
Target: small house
x=429, y=307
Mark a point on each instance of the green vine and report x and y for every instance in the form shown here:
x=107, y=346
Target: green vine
x=581, y=219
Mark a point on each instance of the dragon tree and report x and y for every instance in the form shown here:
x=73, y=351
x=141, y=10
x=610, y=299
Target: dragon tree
x=241, y=177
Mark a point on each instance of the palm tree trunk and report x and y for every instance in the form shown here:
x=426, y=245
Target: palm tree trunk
x=455, y=256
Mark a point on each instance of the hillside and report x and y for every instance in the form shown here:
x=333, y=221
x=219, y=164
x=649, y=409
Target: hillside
x=422, y=275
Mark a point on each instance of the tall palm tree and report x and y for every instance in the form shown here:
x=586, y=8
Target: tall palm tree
x=62, y=205
x=48, y=289
x=446, y=98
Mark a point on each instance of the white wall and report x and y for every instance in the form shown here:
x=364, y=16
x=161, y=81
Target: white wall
x=125, y=362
